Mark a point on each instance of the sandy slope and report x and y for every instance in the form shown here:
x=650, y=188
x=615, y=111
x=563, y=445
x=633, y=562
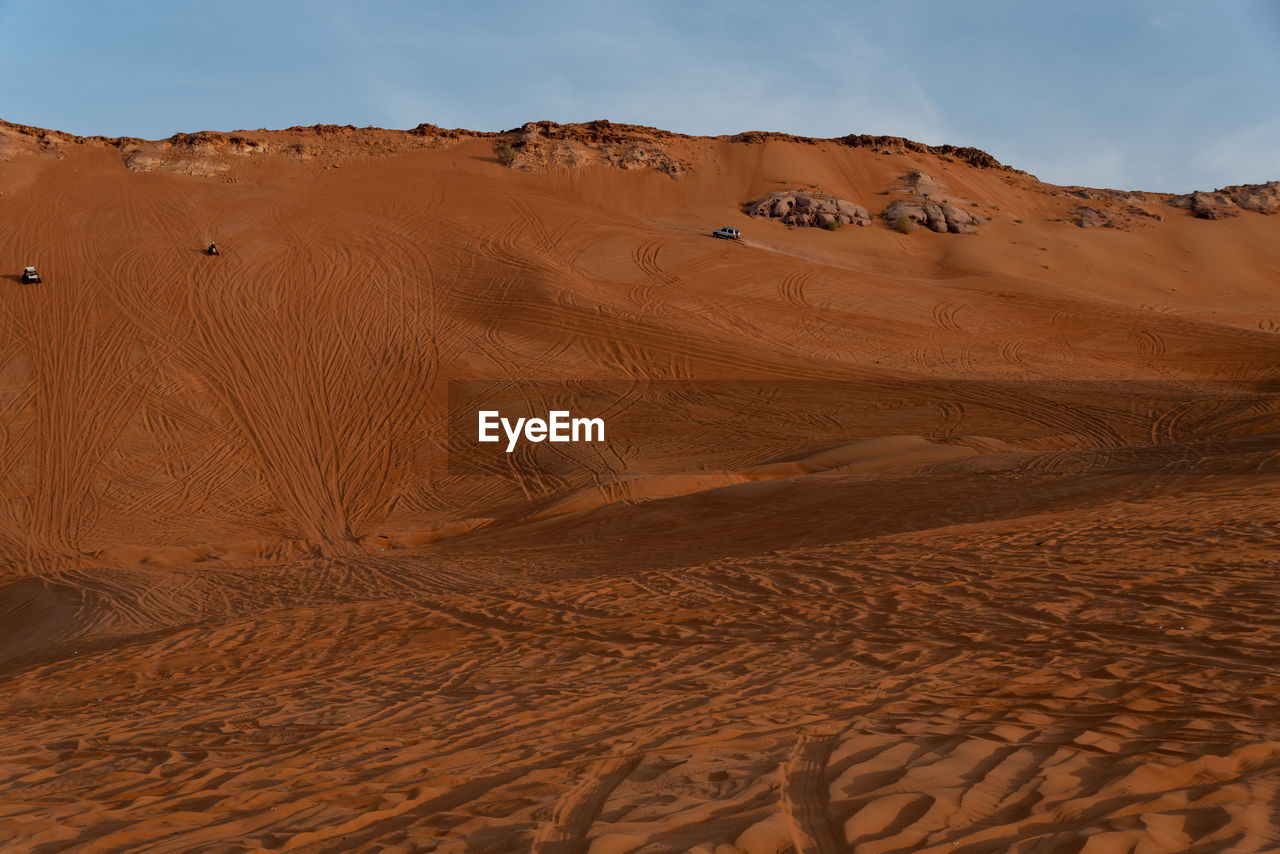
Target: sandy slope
x=905, y=542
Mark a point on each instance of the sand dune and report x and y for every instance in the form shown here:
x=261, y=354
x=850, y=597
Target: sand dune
x=902, y=542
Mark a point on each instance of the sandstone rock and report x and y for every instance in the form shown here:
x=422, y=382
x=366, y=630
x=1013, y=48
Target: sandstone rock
x=1087, y=216
x=1209, y=205
x=898, y=145
x=1134, y=210
x=809, y=209
x=1230, y=201
x=1094, y=216
x=937, y=216
x=538, y=145
x=883, y=145
x=1263, y=198
x=931, y=205
x=922, y=184
x=1103, y=195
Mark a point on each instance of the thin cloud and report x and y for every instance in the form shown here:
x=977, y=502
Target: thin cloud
x=1088, y=93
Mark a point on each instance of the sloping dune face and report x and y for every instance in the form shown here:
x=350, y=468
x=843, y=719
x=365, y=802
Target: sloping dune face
x=898, y=540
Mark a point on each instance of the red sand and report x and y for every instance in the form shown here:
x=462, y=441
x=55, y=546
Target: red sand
x=244, y=603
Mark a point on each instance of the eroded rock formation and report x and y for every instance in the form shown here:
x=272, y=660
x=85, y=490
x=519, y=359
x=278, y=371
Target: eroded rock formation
x=937, y=216
x=1230, y=201
x=930, y=204
x=1092, y=216
x=543, y=144
x=809, y=209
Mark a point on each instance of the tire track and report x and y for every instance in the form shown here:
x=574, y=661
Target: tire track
x=804, y=796
x=944, y=315
x=792, y=288
x=1149, y=343
x=577, y=810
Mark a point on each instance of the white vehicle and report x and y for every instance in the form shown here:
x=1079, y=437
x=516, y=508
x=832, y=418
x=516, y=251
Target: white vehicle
x=727, y=233
x=30, y=276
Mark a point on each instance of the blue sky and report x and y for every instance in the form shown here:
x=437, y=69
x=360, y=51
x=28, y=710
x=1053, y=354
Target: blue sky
x=1171, y=95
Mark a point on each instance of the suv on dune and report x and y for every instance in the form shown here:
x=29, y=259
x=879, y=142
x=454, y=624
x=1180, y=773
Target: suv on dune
x=30, y=276
x=727, y=233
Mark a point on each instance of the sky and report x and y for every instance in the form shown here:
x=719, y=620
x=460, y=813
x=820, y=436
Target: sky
x=1163, y=95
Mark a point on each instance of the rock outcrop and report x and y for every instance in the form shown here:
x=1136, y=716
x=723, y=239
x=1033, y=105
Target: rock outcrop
x=214, y=153
x=930, y=204
x=1262, y=198
x=883, y=145
x=809, y=209
x=537, y=145
x=1206, y=205
x=937, y=216
x=926, y=186
x=1095, y=194
x=1230, y=201
x=1087, y=216
x=1091, y=216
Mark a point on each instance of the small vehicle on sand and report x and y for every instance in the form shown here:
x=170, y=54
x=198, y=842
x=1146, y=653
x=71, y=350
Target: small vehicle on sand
x=727, y=233
x=212, y=250
x=30, y=276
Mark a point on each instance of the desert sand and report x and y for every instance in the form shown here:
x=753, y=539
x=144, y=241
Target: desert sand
x=907, y=541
